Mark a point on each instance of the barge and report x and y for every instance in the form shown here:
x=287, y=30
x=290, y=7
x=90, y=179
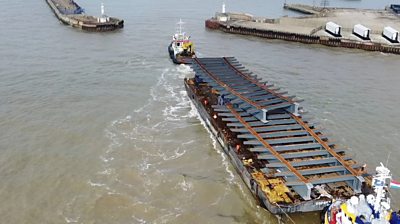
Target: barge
x=70, y=13
x=287, y=163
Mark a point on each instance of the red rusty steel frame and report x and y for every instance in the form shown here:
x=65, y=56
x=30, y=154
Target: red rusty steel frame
x=326, y=146
x=266, y=145
x=224, y=85
x=258, y=83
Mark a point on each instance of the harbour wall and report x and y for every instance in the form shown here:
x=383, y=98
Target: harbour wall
x=88, y=23
x=302, y=38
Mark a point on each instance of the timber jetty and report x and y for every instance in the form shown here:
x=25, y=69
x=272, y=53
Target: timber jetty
x=312, y=28
x=70, y=13
x=287, y=163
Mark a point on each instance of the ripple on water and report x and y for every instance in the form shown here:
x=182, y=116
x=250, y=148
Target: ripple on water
x=165, y=176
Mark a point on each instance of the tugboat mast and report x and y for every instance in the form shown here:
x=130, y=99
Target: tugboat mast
x=180, y=28
x=380, y=182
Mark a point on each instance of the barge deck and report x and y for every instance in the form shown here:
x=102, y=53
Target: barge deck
x=70, y=13
x=287, y=163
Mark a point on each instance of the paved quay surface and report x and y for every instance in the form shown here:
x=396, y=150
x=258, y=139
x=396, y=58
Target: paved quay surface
x=376, y=20
x=64, y=4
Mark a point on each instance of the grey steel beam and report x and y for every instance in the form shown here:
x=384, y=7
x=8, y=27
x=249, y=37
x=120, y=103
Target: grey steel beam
x=252, y=142
x=267, y=156
x=270, y=123
x=280, y=174
x=278, y=134
x=220, y=106
x=240, y=130
x=221, y=110
x=283, y=149
x=246, y=89
x=293, y=140
x=266, y=96
x=237, y=101
x=293, y=183
x=239, y=67
x=221, y=70
x=274, y=122
x=246, y=136
x=229, y=76
x=299, y=146
x=339, y=178
x=225, y=114
x=284, y=92
x=256, y=93
x=279, y=128
x=235, y=120
x=252, y=111
x=275, y=165
x=278, y=106
x=315, y=171
x=274, y=101
x=280, y=122
x=232, y=80
x=242, y=114
x=234, y=62
x=254, y=123
x=258, y=149
x=278, y=116
x=236, y=83
x=286, y=134
x=321, y=170
x=230, y=96
x=263, y=151
x=330, y=160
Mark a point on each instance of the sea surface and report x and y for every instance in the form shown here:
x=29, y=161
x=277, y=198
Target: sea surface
x=97, y=127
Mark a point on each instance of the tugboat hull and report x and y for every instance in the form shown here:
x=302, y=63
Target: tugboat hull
x=178, y=59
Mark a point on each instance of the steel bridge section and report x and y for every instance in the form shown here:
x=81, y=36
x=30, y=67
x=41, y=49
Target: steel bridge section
x=268, y=123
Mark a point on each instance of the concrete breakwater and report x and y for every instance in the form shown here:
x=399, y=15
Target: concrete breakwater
x=70, y=13
x=310, y=29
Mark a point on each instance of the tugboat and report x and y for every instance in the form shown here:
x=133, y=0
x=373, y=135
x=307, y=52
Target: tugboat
x=181, y=49
x=373, y=208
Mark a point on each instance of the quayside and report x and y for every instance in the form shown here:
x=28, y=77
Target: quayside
x=70, y=13
x=380, y=32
